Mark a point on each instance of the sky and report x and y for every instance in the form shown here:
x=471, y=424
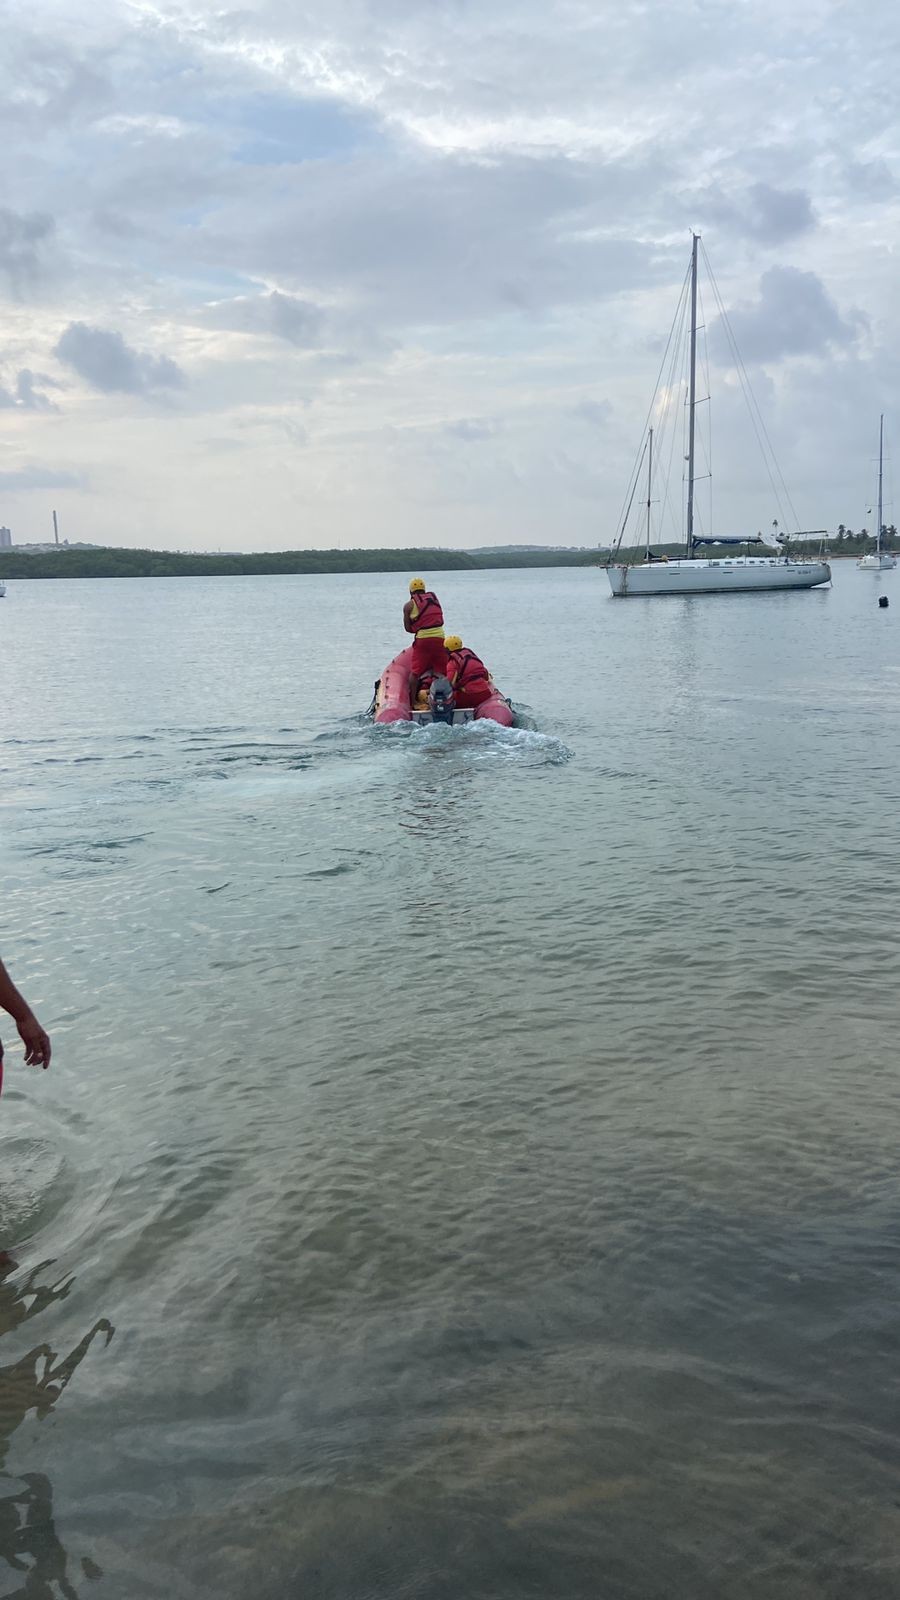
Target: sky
x=389, y=273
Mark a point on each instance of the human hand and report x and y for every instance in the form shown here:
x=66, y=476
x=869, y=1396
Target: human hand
x=35, y=1040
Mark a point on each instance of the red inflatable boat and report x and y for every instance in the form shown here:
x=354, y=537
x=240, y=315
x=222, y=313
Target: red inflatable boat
x=392, y=702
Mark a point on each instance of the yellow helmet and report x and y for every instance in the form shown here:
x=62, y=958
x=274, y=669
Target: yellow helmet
x=453, y=641
x=416, y=585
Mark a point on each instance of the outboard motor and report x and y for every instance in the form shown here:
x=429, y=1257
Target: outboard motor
x=441, y=699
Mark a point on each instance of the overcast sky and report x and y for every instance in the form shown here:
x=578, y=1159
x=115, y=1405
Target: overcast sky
x=401, y=271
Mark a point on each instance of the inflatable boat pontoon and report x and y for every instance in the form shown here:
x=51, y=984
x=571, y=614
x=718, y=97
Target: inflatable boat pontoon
x=434, y=701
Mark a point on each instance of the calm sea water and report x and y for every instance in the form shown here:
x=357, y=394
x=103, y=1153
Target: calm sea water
x=483, y=1144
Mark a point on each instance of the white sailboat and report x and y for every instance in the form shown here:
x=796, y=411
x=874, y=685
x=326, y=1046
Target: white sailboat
x=879, y=560
x=716, y=574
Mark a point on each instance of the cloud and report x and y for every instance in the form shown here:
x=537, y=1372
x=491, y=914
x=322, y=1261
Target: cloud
x=48, y=83
x=276, y=315
x=589, y=79
x=412, y=242
x=761, y=212
x=471, y=429
x=39, y=478
x=26, y=396
x=223, y=444
x=102, y=357
x=597, y=413
x=426, y=212
x=793, y=315
x=774, y=215
x=23, y=236
x=870, y=180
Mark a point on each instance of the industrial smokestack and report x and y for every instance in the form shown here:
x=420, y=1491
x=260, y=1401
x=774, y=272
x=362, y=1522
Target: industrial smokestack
x=55, y=529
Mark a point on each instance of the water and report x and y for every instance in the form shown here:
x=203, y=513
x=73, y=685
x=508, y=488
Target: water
x=482, y=1144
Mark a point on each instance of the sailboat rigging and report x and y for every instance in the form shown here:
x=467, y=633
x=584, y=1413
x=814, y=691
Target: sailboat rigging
x=691, y=574
x=879, y=560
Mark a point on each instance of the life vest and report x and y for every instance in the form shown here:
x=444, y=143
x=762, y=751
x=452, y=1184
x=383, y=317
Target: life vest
x=465, y=667
x=429, y=623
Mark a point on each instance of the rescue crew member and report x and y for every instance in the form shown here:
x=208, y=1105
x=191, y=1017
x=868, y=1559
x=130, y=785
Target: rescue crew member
x=423, y=617
x=468, y=674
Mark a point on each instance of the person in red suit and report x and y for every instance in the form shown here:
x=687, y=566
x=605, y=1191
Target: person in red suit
x=423, y=617
x=468, y=674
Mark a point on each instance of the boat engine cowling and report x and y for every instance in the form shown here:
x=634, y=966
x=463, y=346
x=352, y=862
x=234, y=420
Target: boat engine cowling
x=441, y=699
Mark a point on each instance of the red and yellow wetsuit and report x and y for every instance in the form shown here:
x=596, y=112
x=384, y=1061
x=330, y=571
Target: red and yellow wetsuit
x=469, y=677
x=422, y=615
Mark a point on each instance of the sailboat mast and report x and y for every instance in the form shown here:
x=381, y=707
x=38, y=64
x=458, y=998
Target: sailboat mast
x=692, y=400
x=649, y=483
x=879, y=476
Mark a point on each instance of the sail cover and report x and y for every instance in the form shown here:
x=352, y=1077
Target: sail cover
x=750, y=539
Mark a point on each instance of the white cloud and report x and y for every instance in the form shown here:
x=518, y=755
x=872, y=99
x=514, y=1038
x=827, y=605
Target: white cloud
x=23, y=241
x=792, y=315
x=596, y=413
x=103, y=359
x=28, y=478
x=273, y=315
x=25, y=395
x=760, y=211
x=472, y=429
x=370, y=231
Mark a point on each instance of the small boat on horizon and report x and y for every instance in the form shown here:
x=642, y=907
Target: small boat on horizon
x=879, y=560
x=716, y=574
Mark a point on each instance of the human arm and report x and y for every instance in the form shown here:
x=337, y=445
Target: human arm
x=32, y=1035
x=410, y=610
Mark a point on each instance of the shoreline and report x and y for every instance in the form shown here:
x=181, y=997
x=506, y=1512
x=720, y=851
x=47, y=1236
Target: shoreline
x=110, y=562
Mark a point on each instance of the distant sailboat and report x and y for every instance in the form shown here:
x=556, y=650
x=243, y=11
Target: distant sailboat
x=879, y=560
x=715, y=574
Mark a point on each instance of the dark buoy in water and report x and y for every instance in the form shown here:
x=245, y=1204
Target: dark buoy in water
x=883, y=601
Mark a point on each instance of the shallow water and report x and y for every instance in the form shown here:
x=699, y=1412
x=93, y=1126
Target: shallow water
x=481, y=1142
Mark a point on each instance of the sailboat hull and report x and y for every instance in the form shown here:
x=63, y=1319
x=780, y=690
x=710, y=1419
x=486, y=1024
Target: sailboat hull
x=877, y=563
x=716, y=577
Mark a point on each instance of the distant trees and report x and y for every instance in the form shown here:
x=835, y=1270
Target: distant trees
x=856, y=544
x=114, y=563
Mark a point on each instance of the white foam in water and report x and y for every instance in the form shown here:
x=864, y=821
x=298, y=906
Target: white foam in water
x=488, y=739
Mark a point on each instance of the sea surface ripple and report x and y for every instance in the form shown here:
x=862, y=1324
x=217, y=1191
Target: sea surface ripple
x=468, y=1164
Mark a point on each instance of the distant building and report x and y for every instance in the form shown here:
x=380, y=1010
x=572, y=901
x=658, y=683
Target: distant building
x=41, y=549
x=5, y=539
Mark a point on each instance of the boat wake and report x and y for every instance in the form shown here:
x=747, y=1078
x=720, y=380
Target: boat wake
x=97, y=816
x=477, y=742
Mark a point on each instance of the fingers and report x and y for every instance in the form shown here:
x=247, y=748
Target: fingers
x=37, y=1053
